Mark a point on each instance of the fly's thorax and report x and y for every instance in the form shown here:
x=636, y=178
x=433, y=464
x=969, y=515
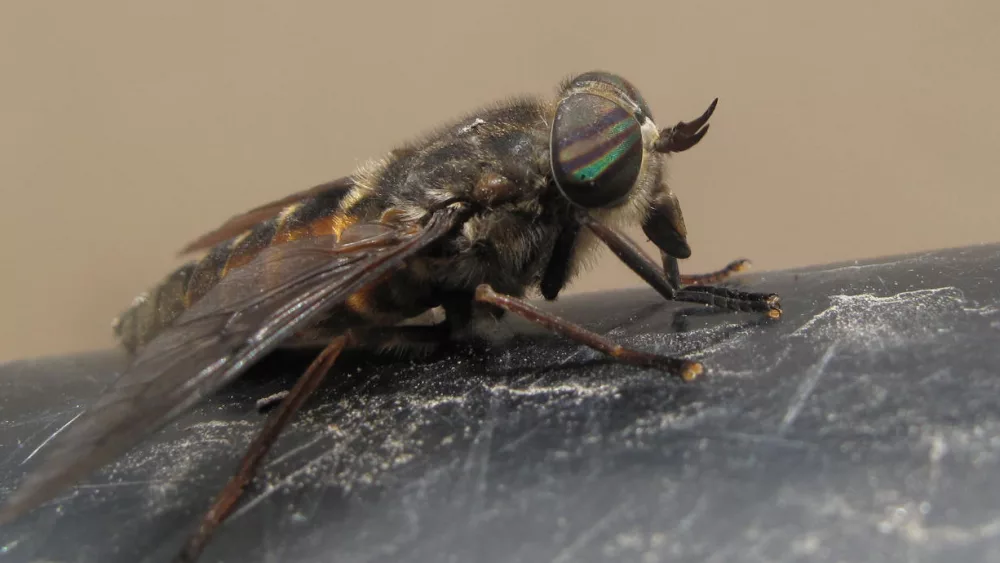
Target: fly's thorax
x=506, y=247
x=491, y=156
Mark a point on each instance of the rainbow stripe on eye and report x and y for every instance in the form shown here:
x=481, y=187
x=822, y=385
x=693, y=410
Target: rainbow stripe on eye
x=585, y=157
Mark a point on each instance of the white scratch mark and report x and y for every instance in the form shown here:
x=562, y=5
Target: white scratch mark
x=126, y=484
x=766, y=439
x=689, y=519
x=298, y=449
x=483, y=461
x=957, y=535
x=569, y=552
x=578, y=351
x=51, y=436
x=9, y=546
x=735, y=341
x=275, y=487
x=937, y=451
x=859, y=267
x=516, y=442
x=806, y=389
x=32, y=420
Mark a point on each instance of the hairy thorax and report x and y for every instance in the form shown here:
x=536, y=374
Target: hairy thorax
x=496, y=158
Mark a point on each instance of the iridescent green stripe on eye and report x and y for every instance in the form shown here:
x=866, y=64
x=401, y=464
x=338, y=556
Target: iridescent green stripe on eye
x=590, y=150
x=602, y=132
x=604, y=161
x=596, y=149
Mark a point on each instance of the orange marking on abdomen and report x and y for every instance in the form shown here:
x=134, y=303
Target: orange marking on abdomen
x=332, y=225
x=246, y=247
x=289, y=234
x=293, y=229
x=288, y=228
x=237, y=260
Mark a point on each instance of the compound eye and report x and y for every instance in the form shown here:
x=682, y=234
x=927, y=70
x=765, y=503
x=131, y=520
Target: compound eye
x=624, y=87
x=596, y=149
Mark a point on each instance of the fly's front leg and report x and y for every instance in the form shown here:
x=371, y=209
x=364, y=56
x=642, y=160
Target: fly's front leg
x=722, y=297
x=685, y=369
x=733, y=300
x=633, y=257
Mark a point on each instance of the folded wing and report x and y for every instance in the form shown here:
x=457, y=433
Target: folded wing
x=245, y=316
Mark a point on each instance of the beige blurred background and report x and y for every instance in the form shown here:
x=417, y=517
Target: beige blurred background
x=845, y=129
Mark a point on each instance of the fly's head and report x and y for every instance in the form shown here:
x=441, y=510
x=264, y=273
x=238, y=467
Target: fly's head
x=606, y=151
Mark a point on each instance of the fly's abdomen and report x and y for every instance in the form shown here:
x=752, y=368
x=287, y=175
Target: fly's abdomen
x=157, y=308
x=154, y=310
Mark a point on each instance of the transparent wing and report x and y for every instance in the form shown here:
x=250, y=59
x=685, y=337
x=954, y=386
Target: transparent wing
x=245, y=316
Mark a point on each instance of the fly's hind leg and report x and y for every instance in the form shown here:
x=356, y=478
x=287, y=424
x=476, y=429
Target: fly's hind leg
x=276, y=422
x=685, y=369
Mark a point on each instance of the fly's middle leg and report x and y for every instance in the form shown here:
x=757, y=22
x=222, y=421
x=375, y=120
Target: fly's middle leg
x=667, y=280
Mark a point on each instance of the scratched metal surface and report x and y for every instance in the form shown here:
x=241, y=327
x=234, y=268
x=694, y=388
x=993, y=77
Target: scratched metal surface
x=864, y=426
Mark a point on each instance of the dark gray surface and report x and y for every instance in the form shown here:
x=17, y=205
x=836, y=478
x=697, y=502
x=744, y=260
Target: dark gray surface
x=863, y=426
